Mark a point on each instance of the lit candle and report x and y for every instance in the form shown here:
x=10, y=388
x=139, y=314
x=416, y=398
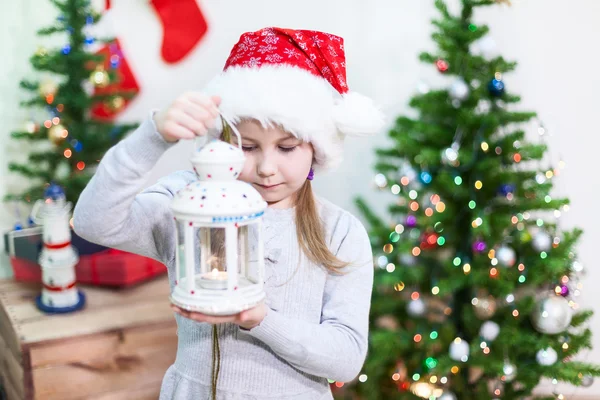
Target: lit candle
x=214, y=280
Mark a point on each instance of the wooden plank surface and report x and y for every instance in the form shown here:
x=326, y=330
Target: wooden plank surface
x=106, y=309
x=10, y=369
x=106, y=347
x=147, y=367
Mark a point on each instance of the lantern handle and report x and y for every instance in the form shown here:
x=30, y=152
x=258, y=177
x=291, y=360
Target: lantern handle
x=234, y=129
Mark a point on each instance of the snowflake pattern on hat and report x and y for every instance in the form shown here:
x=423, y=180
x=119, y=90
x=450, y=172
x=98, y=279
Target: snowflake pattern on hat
x=322, y=54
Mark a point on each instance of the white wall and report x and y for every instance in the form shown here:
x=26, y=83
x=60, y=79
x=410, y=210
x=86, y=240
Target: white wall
x=554, y=41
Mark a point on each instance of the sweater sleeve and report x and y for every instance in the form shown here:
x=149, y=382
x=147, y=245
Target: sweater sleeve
x=335, y=348
x=114, y=211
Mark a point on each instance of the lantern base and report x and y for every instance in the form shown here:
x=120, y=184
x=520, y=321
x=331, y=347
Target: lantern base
x=218, y=302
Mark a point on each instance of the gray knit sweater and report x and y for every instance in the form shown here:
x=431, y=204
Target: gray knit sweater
x=316, y=326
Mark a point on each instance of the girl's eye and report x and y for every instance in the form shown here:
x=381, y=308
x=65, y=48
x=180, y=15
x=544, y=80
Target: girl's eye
x=248, y=148
x=287, y=149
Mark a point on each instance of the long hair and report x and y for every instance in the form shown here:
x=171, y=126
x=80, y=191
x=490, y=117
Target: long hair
x=309, y=226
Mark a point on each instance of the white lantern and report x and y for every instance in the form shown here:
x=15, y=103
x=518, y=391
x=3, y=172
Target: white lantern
x=58, y=257
x=217, y=273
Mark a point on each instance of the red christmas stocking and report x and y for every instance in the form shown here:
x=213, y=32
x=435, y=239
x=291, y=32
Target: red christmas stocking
x=183, y=27
x=125, y=82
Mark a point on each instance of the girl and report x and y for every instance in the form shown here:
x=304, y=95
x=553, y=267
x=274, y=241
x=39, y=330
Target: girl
x=286, y=92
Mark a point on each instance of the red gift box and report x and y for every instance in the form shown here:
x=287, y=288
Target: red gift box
x=106, y=268
x=97, y=265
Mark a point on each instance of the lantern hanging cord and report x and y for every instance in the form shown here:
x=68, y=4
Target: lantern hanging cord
x=216, y=360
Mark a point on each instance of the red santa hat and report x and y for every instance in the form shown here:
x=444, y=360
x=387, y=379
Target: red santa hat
x=296, y=79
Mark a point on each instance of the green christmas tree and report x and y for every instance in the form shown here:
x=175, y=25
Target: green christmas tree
x=475, y=283
x=68, y=141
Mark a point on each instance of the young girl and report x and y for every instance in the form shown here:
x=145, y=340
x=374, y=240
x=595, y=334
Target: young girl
x=286, y=92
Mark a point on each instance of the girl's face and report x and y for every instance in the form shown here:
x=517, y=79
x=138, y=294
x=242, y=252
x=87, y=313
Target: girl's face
x=277, y=163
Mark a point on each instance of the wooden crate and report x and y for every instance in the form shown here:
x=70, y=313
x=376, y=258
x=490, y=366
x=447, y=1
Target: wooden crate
x=118, y=347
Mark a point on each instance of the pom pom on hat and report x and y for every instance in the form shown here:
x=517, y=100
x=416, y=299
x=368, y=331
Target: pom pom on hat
x=296, y=79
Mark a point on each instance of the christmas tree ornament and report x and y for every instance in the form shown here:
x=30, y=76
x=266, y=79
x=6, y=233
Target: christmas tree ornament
x=496, y=87
x=479, y=246
x=587, y=380
x=116, y=103
x=447, y=395
x=41, y=51
x=31, y=127
x=506, y=189
x=450, y=155
x=489, y=331
x=58, y=257
x=442, y=65
x=577, y=267
x=562, y=290
x=100, y=77
x=459, y=90
x=48, y=88
x=551, y=314
x=416, y=308
x=411, y=221
x=380, y=181
x=546, y=356
x=220, y=211
x=484, y=306
x=506, y=256
x=484, y=47
x=57, y=134
x=541, y=241
x=429, y=240
x=407, y=259
x=509, y=371
x=459, y=350
x=387, y=322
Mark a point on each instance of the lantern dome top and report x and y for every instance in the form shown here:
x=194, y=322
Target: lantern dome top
x=218, y=202
x=218, y=160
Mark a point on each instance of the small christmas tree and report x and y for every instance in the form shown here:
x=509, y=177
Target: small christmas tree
x=77, y=139
x=475, y=284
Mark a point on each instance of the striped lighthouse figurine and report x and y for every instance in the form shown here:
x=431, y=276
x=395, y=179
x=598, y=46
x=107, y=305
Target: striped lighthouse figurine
x=58, y=257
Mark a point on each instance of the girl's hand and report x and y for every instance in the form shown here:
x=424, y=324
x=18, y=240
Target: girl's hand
x=190, y=115
x=246, y=319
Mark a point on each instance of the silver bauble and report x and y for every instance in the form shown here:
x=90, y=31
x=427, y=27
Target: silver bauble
x=552, y=314
x=546, y=356
x=416, y=308
x=541, y=241
x=506, y=256
x=587, y=380
x=459, y=350
x=485, y=307
x=447, y=396
x=509, y=371
x=459, y=90
x=489, y=331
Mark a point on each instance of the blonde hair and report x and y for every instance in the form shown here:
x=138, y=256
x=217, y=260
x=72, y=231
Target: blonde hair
x=309, y=227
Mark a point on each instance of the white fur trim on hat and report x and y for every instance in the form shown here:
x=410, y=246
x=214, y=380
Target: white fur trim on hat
x=303, y=104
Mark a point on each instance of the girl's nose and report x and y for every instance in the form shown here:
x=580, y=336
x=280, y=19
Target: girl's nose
x=266, y=166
